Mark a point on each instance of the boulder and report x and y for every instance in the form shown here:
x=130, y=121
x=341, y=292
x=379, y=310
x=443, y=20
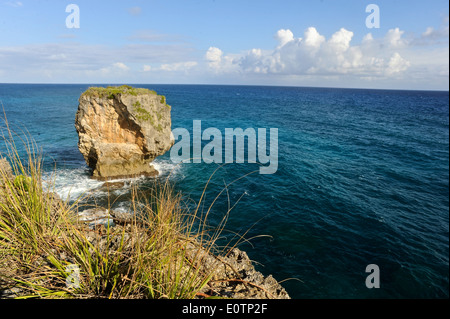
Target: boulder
x=121, y=130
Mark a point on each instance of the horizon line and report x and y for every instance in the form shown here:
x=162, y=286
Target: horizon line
x=215, y=84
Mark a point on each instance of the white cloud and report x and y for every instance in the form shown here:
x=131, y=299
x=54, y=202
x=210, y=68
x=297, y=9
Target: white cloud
x=74, y=56
x=214, y=57
x=394, y=38
x=416, y=61
x=432, y=36
x=255, y=61
x=315, y=55
x=367, y=38
x=114, y=69
x=58, y=57
x=179, y=66
x=284, y=36
x=313, y=38
x=397, y=64
x=120, y=66
x=340, y=41
x=308, y=59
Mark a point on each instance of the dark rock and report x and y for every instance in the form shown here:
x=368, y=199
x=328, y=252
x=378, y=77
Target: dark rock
x=112, y=185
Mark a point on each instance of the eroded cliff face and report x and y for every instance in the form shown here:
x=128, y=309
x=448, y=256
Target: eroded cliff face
x=122, y=130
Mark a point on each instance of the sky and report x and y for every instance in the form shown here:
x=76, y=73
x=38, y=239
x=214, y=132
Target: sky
x=315, y=43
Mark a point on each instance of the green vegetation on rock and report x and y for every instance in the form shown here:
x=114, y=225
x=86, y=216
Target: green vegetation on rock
x=144, y=115
x=112, y=91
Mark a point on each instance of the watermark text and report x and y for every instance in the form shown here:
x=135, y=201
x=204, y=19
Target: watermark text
x=232, y=150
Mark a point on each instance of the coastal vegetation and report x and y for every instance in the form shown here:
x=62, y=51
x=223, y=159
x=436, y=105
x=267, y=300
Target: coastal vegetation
x=163, y=249
x=112, y=91
x=155, y=255
x=144, y=115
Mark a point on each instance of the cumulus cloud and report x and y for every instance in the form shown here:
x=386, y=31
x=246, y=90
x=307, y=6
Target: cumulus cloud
x=394, y=38
x=313, y=54
x=313, y=38
x=254, y=61
x=295, y=59
x=340, y=41
x=284, y=36
x=214, y=57
x=397, y=64
x=412, y=60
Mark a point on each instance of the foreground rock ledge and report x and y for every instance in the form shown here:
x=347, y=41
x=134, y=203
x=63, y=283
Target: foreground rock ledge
x=121, y=130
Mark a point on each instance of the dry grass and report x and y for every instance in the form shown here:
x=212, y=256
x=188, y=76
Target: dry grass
x=46, y=252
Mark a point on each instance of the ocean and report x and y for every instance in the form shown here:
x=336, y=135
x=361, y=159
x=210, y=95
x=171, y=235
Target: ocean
x=362, y=179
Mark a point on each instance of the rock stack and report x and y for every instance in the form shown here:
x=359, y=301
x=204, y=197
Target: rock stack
x=121, y=130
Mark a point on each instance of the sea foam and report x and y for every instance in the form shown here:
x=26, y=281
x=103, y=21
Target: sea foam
x=71, y=184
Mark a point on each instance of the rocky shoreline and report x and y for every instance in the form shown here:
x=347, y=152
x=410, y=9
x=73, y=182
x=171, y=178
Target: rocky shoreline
x=232, y=274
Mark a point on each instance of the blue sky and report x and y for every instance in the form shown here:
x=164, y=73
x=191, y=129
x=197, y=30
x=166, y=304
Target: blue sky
x=296, y=43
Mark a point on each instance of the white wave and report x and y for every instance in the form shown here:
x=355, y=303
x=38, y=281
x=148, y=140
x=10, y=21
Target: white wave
x=71, y=184
x=166, y=167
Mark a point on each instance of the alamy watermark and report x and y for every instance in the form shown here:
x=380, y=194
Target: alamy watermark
x=220, y=151
x=373, y=19
x=373, y=280
x=73, y=19
x=73, y=278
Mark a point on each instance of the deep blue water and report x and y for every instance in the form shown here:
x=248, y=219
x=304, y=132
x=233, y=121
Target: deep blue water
x=363, y=178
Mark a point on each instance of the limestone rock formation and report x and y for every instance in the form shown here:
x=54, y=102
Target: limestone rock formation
x=122, y=129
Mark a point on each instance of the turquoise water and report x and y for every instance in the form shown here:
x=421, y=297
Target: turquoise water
x=363, y=178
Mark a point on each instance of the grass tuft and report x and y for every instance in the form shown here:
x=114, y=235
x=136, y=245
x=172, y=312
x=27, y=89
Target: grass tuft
x=47, y=252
